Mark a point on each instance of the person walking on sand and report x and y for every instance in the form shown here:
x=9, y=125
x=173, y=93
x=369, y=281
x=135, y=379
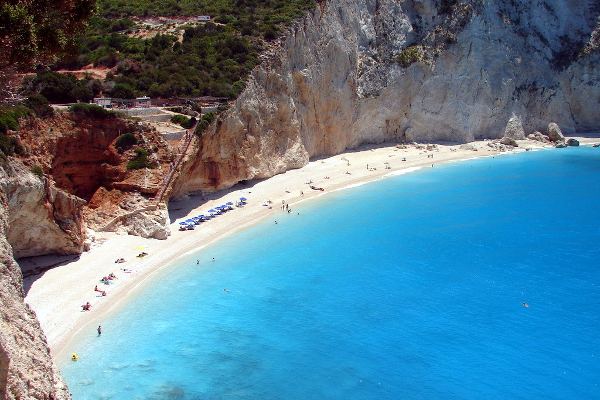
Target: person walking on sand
x=99, y=330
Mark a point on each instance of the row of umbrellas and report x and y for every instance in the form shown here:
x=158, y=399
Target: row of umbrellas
x=218, y=210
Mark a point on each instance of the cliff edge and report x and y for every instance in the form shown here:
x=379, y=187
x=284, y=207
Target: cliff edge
x=356, y=72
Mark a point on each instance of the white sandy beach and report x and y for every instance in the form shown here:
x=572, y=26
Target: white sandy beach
x=57, y=295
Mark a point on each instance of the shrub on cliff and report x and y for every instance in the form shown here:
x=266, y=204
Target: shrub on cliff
x=92, y=111
x=9, y=117
x=125, y=141
x=39, y=105
x=410, y=55
x=204, y=123
x=63, y=88
x=38, y=171
x=141, y=160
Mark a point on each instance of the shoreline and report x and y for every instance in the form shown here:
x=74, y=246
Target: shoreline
x=57, y=294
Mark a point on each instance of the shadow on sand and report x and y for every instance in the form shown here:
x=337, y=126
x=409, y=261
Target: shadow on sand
x=34, y=268
x=179, y=208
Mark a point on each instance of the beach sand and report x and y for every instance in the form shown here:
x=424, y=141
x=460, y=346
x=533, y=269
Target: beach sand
x=57, y=295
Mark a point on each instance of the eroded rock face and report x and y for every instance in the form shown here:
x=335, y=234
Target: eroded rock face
x=42, y=219
x=355, y=72
x=26, y=368
x=80, y=155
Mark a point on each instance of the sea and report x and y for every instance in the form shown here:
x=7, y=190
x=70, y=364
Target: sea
x=470, y=280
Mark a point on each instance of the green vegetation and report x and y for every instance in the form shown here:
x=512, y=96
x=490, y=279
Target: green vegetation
x=92, y=111
x=125, y=141
x=33, y=32
x=39, y=105
x=63, y=88
x=140, y=160
x=38, y=171
x=9, y=117
x=204, y=123
x=410, y=55
x=9, y=120
x=212, y=59
x=183, y=121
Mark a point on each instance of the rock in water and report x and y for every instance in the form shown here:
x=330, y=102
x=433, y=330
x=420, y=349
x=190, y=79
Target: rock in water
x=560, y=145
x=514, y=128
x=508, y=141
x=572, y=142
x=554, y=132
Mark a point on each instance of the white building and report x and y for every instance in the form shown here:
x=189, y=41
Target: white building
x=203, y=18
x=143, y=102
x=104, y=102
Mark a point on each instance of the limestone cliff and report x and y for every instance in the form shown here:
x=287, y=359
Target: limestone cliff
x=26, y=368
x=355, y=72
x=42, y=219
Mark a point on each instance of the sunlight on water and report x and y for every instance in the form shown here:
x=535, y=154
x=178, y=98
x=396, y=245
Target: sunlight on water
x=409, y=288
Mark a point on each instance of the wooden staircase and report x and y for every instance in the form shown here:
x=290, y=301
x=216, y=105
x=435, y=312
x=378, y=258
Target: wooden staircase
x=182, y=149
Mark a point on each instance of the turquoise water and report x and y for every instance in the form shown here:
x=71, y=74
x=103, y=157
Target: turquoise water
x=408, y=288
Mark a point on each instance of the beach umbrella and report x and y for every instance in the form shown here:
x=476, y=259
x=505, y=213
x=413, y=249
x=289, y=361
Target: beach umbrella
x=211, y=211
x=229, y=203
x=243, y=199
x=183, y=223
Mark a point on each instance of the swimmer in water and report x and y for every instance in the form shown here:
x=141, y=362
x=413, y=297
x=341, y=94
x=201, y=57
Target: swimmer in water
x=525, y=305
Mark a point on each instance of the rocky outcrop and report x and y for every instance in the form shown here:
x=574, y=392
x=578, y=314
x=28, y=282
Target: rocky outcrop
x=509, y=141
x=42, y=219
x=572, y=142
x=554, y=133
x=514, y=128
x=355, y=72
x=26, y=367
x=81, y=156
x=538, y=136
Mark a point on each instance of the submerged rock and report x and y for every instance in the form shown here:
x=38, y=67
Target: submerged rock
x=560, y=145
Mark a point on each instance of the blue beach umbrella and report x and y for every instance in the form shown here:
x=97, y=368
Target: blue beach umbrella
x=243, y=199
x=229, y=203
x=211, y=211
x=183, y=223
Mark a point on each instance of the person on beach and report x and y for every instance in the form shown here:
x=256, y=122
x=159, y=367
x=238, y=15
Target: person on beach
x=99, y=330
x=301, y=193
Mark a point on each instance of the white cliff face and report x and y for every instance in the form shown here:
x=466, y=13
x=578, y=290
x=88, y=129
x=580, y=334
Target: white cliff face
x=26, y=367
x=42, y=219
x=335, y=82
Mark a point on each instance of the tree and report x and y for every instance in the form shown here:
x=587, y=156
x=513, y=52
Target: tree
x=36, y=32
